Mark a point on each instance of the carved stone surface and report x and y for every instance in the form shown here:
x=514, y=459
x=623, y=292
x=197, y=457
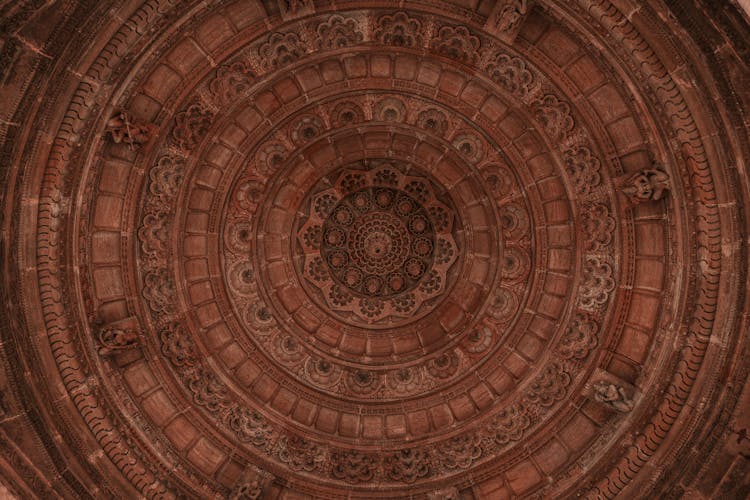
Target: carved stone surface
x=123, y=128
x=295, y=8
x=450, y=493
x=506, y=18
x=613, y=396
x=648, y=184
x=374, y=249
x=114, y=339
x=377, y=243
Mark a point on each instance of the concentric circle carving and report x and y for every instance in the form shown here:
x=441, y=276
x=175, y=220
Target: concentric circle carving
x=296, y=249
x=375, y=244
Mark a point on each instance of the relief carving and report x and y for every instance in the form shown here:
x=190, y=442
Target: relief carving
x=363, y=382
x=247, y=490
x=390, y=109
x=407, y=465
x=459, y=452
x=271, y=157
x=306, y=129
x=253, y=485
x=583, y=167
x=457, y=43
x=503, y=304
x=208, y=391
x=346, y=113
x=291, y=9
x=554, y=115
x=300, y=454
x=479, y=340
x=399, y=30
x=338, y=32
x=509, y=424
x=153, y=233
x=322, y=372
x=579, y=339
x=405, y=380
x=376, y=243
x=353, y=466
x=280, y=50
x=449, y=493
x=507, y=17
x=511, y=73
x=165, y=178
x=177, y=345
x=470, y=146
x=124, y=128
x=598, y=227
x=648, y=184
x=231, y=81
x=433, y=120
x=159, y=290
x=576, y=343
x=614, y=396
x=444, y=366
x=597, y=285
x=191, y=125
x=549, y=387
x=249, y=426
x=114, y=339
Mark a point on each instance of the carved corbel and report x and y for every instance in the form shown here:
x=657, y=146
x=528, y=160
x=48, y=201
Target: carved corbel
x=450, y=493
x=123, y=128
x=253, y=485
x=611, y=392
x=646, y=185
x=507, y=17
x=613, y=395
x=118, y=337
x=292, y=9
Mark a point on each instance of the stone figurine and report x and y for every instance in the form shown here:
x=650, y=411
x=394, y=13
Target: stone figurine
x=613, y=396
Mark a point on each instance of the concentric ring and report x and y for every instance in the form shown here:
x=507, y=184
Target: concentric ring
x=300, y=249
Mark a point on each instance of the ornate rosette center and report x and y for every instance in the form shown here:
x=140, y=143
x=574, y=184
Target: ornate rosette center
x=375, y=244
x=378, y=242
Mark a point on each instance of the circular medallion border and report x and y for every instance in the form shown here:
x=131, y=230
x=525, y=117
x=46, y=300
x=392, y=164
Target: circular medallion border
x=345, y=286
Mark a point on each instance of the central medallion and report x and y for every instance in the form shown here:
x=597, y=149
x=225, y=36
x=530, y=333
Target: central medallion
x=378, y=242
x=375, y=245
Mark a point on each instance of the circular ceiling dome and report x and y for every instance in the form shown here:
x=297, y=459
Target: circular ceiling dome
x=439, y=249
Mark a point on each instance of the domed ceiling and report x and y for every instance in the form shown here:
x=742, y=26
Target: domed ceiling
x=442, y=249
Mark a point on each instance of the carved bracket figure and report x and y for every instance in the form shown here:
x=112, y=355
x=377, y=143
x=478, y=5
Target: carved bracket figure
x=114, y=340
x=450, y=493
x=253, y=484
x=613, y=396
x=611, y=392
x=248, y=490
x=291, y=9
x=507, y=17
x=648, y=184
x=118, y=337
x=123, y=128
